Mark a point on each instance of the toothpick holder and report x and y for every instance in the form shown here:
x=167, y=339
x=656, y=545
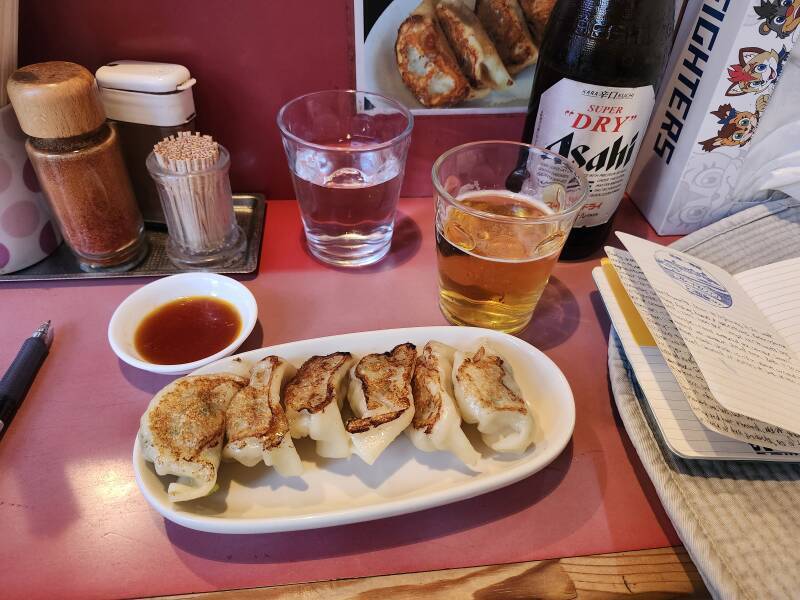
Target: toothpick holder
x=198, y=207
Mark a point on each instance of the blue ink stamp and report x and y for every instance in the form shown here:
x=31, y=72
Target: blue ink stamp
x=694, y=279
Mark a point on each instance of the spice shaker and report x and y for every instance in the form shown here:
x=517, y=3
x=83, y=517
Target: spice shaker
x=77, y=159
x=147, y=101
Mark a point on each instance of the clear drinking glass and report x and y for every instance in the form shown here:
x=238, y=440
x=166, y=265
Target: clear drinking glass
x=495, y=247
x=347, y=152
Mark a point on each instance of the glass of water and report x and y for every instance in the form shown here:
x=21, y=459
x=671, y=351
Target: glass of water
x=346, y=152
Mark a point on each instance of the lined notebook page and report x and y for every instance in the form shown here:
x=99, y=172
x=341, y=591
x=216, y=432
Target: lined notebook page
x=681, y=430
x=775, y=290
x=715, y=335
x=686, y=369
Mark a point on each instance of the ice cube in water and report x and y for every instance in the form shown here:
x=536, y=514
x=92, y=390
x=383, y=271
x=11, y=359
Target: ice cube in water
x=346, y=177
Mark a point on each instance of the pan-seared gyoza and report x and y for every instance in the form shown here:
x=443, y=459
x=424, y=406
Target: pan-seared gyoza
x=314, y=401
x=475, y=52
x=437, y=422
x=537, y=13
x=488, y=395
x=256, y=426
x=182, y=431
x=380, y=397
x=505, y=23
x=427, y=63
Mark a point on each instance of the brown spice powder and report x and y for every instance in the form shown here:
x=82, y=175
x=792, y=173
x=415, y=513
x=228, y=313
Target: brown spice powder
x=90, y=193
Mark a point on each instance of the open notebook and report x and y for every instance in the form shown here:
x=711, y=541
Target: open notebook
x=716, y=355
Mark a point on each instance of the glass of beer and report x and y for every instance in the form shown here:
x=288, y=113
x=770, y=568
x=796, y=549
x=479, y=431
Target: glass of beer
x=498, y=235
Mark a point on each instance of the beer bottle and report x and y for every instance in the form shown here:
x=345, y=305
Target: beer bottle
x=594, y=90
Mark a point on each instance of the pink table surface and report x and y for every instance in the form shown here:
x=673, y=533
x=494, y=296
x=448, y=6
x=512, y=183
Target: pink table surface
x=74, y=524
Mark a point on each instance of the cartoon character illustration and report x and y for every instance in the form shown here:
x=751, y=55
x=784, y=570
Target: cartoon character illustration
x=757, y=72
x=737, y=128
x=780, y=16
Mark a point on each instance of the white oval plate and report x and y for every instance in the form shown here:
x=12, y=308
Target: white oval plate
x=403, y=480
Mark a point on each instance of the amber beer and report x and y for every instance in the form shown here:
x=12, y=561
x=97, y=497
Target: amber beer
x=495, y=247
x=492, y=273
x=594, y=90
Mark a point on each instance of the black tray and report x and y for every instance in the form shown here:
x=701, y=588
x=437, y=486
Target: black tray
x=61, y=264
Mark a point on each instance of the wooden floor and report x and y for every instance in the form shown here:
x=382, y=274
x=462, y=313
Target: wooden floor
x=645, y=574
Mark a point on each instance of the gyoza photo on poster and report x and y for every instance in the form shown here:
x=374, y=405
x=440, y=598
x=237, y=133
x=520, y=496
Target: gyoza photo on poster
x=467, y=56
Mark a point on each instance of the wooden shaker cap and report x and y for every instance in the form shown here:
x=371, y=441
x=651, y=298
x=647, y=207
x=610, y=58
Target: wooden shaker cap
x=55, y=100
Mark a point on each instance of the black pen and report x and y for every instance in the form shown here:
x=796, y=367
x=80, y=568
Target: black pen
x=19, y=377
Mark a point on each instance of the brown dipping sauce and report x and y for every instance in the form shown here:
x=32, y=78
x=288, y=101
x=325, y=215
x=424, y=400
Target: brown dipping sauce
x=186, y=329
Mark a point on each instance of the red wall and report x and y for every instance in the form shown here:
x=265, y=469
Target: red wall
x=249, y=57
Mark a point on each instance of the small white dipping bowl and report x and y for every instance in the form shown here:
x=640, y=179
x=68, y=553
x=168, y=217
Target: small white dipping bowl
x=142, y=302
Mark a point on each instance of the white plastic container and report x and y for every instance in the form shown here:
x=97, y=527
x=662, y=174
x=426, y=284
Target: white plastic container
x=723, y=71
x=147, y=101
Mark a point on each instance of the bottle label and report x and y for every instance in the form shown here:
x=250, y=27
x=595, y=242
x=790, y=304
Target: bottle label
x=599, y=128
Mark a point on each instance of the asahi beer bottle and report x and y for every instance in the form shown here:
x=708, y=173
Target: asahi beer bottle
x=594, y=90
